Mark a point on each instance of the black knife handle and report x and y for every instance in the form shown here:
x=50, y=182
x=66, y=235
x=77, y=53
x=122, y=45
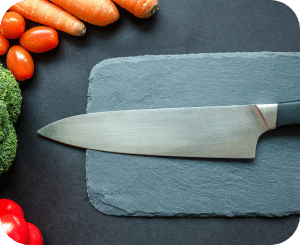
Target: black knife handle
x=288, y=113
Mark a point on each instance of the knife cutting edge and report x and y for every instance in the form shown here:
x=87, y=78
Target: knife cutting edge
x=208, y=132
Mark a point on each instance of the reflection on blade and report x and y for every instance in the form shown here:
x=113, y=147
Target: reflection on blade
x=217, y=132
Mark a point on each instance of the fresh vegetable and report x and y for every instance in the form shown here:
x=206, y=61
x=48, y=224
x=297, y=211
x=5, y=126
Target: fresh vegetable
x=10, y=108
x=39, y=39
x=12, y=25
x=49, y=14
x=9, y=206
x=4, y=44
x=96, y=12
x=10, y=94
x=15, y=227
x=8, y=139
x=34, y=235
x=139, y=8
x=20, y=63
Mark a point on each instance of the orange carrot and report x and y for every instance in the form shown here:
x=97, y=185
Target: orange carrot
x=139, y=8
x=96, y=12
x=49, y=14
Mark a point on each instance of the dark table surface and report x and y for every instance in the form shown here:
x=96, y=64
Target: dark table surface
x=48, y=179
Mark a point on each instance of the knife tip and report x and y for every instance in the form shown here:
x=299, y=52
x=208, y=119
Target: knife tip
x=41, y=132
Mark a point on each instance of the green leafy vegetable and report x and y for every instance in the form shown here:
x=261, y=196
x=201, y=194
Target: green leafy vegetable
x=10, y=109
x=10, y=93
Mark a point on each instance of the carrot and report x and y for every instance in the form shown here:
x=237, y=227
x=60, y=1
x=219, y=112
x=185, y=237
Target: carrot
x=46, y=13
x=139, y=8
x=96, y=12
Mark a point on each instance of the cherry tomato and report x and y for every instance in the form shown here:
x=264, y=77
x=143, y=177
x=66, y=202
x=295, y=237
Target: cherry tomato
x=15, y=227
x=20, y=63
x=39, y=39
x=34, y=235
x=12, y=25
x=4, y=45
x=9, y=206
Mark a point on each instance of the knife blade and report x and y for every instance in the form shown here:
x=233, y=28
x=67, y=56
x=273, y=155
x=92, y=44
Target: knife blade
x=206, y=132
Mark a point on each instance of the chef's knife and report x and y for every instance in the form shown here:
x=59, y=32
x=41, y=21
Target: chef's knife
x=210, y=132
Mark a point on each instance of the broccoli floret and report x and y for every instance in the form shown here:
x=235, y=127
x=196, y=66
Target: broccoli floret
x=10, y=93
x=8, y=139
x=10, y=109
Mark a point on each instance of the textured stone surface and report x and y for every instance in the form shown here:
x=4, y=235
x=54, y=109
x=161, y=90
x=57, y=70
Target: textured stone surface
x=129, y=185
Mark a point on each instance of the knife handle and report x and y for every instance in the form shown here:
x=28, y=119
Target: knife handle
x=288, y=113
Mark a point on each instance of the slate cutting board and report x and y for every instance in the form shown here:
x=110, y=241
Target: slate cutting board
x=128, y=185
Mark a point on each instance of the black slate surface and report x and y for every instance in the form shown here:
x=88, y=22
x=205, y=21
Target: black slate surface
x=127, y=185
x=49, y=180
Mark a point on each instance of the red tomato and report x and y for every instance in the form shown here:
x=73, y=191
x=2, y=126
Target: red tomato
x=20, y=63
x=34, y=235
x=4, y=45
x=15, y=227
x=12, y=25
x=9, y=206
x=39, y=39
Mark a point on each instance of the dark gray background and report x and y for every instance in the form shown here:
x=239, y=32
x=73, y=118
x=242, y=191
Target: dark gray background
x=48, y=179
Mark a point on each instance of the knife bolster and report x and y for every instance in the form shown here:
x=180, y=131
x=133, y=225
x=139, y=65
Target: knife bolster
x=269, y=114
